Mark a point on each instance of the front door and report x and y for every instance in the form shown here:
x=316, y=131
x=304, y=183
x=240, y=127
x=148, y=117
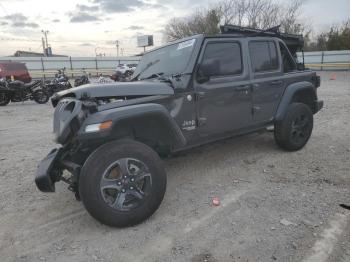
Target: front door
x=224, y=97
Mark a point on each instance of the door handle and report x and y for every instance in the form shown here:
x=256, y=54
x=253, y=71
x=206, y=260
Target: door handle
x=242, y=88
x=277, y=82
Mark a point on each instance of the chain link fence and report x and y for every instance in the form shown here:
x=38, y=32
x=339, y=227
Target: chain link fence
x=46, y=67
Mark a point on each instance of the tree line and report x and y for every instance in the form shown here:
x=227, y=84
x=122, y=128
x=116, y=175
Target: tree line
x=260, y=14
x=336, y=38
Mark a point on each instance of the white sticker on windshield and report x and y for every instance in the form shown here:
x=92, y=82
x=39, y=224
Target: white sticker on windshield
x=186, y=44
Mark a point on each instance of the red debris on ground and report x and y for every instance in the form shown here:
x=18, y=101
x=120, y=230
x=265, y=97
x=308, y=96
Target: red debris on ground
x=216, y=201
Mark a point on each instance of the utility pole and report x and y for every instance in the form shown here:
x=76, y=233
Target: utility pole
x=97, y=54
x=45, y=32
x=44, y=49
x=117, y=45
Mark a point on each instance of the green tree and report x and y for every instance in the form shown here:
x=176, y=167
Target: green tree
x=252, y=13
x=338, y=38
x=205, y=21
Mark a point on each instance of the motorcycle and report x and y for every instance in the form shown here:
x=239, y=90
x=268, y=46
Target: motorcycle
x=17, y=91
x=82, y=80
x=59, y=83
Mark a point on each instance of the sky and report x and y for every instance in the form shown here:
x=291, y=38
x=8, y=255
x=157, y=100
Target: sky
x=87, y=27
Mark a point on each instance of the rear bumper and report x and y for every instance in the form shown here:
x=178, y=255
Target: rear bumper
x=318, y=106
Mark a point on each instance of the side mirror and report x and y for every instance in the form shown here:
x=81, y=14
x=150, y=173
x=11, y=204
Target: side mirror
x=208, y=68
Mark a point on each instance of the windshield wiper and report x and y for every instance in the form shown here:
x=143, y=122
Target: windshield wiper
x=166, y=78
x=154, y=75
x=178, y=75
x=161, y=77
x=146, y=68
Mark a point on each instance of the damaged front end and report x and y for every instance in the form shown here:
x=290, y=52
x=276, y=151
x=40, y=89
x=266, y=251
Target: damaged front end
x=68, y=118
x=83, y=122
x=68, y=127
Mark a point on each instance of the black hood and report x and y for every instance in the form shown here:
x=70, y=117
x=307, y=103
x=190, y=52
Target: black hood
x=138, y=88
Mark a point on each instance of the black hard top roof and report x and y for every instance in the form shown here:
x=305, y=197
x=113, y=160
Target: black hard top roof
x=293, y=41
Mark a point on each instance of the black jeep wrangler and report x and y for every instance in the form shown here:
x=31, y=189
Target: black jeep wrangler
x=183, y=94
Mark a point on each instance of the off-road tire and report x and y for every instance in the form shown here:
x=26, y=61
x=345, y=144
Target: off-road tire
x=41, y=96
x=4, y=99
x=93, y=171
x=287, y=135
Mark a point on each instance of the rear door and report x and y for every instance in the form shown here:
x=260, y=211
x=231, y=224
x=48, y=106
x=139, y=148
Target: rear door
x=224, y=102
x=267, y=81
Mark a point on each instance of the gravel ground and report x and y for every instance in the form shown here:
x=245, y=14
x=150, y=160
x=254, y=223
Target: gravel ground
x=275, y=205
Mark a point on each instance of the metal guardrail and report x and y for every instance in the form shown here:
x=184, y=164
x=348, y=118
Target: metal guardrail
x=329, y=66
x=111, y=71
x=327, y=60
x=71, y=73
x=46, y=67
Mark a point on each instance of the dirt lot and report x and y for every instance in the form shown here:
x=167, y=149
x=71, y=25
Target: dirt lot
x=276, y=206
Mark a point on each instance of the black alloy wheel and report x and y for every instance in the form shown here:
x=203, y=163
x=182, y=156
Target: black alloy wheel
x=294, y=131
x=125, y=184
x=122, y=183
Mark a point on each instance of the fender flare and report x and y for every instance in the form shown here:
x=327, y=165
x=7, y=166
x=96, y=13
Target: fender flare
x=117, y=115
x=288, y=95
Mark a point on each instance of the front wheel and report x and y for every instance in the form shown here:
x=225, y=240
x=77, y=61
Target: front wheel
x=293, y=132
x=4, y=99
x=40, y=96
x=122, y=183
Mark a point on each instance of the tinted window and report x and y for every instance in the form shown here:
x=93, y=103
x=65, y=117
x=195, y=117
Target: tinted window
x=263, y=55
x=227, y=58
x=288, y=61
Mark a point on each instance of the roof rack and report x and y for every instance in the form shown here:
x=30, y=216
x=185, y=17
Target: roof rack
x=294, y=42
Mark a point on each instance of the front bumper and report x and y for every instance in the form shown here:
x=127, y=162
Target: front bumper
x=51, y=168
x=318, y=105
x=46, y=175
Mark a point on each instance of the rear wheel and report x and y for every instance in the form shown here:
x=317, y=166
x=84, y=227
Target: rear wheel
x=122, y=183
x=40, y=96
x=293, y=132
x=4, y=99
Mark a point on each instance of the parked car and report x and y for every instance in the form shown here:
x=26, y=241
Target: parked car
x=183, y=94
x=16, y=70
x=126, y=69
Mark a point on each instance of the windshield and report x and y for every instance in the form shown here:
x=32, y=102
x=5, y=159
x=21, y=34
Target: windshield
x=168, y=60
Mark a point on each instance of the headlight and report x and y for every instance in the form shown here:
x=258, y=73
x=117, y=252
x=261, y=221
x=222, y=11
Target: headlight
x=98, y=127
x=68, y=118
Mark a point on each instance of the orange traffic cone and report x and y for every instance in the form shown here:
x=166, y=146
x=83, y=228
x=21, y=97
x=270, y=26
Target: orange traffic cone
x=333, y=76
